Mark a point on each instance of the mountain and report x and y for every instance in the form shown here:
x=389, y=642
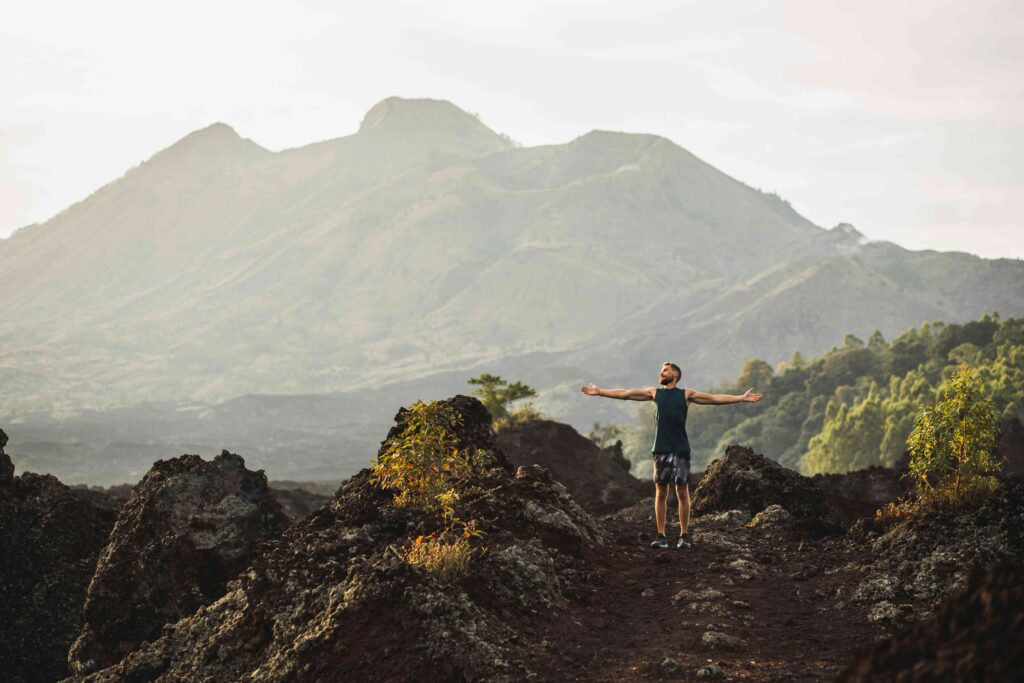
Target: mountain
x=422, y=248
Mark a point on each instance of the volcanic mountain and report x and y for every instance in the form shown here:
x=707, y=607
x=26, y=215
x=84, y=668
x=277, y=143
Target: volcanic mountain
x=413, y=253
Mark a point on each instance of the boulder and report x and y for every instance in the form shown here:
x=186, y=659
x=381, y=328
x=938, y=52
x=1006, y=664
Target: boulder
x=6, y=466
x=597, y=478
x=50, y=538
x=748, y=481
x=336, y=597
x=974, y=636
x=186, y=529
x=856, y=495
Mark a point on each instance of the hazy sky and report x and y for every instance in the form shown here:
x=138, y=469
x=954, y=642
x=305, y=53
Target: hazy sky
x=903, y=118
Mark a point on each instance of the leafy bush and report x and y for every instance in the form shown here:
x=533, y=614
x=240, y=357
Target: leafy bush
x=423, y=461
x=951, y=444
x=423, y=464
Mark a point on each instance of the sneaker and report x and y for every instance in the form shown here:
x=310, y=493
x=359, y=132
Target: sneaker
x=684, y=542
x=660, y=542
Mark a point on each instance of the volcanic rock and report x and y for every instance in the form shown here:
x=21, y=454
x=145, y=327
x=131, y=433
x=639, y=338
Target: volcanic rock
x=6, y=466
x=598, y=478
x=974, y=636
x=334, y=598
x=187, y=528
x=50, y=538
x=748, y=481
x=856, y=495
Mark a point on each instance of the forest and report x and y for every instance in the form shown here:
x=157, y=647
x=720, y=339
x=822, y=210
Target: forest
x=853, y=407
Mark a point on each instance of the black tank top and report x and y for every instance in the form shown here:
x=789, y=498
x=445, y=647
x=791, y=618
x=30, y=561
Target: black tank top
x=671, y=417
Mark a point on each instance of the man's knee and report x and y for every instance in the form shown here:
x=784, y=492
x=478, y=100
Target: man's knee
x=661, y=491
x=683, y=492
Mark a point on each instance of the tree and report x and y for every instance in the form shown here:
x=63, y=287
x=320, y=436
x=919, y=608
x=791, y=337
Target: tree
x=755, y=373
x=951, y=444
x=497, y=394
x=605, y=435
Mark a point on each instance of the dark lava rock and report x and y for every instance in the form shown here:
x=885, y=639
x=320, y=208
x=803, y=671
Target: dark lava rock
x=856, y=495
x=50, y=538
x=932, y=554
x=744, y=480
x=297, y=503
x=598, y=478
x=1010, y=447
x=187, y=528
x=333, y=599
x=974, y=636
x=6, y=466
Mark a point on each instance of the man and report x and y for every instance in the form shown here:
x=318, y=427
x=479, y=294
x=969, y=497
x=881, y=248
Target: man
x=671, y=450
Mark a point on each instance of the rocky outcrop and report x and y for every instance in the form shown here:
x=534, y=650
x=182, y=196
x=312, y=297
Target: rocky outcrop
x=925, y=558
x=744, y=480
x=187, y=528
x=297, y=504
x=50, y=538
x=334, y=599
x=6, y=466
x=598, y=478
x=974, y=636
x=856, y=495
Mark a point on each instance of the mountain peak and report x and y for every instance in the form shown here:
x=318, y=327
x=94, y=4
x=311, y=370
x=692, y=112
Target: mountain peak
x=428, y=118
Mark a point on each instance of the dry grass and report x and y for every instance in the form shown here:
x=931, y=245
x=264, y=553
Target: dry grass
x=445, y=559
x=944, y=498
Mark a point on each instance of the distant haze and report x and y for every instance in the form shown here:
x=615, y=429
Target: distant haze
x=900, y=118
x=285, y=304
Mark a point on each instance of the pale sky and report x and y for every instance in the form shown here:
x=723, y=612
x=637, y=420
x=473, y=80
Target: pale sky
x=902, y=118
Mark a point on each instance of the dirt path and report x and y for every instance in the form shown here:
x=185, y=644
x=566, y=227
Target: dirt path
x=772, y=592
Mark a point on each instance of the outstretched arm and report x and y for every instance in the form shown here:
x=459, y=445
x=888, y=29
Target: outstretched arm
x=694, y=396
x=645, y=394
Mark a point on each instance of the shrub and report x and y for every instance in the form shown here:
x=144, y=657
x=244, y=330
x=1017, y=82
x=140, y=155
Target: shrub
x=422, y=462
x=445, y=555
x=951, y=443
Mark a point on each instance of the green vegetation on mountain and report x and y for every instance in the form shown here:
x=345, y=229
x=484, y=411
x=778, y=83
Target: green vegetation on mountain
x=499, y=394
x=856, y=405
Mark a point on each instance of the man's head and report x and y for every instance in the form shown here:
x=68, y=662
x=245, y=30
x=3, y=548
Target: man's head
x=670, y=374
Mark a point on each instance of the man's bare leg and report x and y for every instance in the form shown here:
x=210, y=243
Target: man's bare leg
x=661, y=506
x=683, y=496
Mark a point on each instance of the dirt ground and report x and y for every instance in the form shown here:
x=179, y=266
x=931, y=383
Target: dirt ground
x=623, y=623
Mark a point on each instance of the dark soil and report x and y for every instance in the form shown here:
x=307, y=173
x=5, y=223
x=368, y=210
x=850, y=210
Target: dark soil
x=620, y=631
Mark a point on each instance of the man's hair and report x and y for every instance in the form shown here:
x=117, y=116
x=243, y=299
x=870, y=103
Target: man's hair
x=675, y=368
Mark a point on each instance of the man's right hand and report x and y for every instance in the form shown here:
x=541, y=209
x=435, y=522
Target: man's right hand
x=590, y=390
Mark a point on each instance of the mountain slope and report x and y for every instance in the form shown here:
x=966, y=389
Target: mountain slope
x=424, y=244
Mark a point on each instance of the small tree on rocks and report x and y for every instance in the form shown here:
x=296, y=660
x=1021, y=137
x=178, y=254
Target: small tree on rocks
x=951, y=444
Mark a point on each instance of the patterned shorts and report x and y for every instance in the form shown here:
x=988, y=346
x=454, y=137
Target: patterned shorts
x=671, y=468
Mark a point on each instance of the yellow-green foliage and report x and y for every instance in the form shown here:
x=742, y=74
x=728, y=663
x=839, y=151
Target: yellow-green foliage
x=951, y=444
x=445, y=555
x=421, y=463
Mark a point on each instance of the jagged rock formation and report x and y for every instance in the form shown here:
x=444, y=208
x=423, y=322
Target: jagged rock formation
x=332, y=599
x=187, y=528
x=598, y=478
x=1010, y=447
x=974, y=636
x=50, y=537
x=856, y=495
x=920, y=560
x=297, y=504
x=744, y=480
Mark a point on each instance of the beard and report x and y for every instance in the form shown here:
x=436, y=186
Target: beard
x=665, y=381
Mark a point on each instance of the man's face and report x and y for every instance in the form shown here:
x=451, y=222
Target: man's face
x=667, y=376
